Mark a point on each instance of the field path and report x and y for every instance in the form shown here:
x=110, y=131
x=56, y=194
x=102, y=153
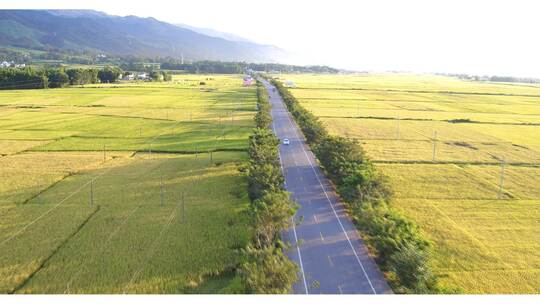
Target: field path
x=332, y=257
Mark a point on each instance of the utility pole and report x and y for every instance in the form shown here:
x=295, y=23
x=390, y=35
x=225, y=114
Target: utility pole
x=501, y=183
x=434, y=144
x=38, y=192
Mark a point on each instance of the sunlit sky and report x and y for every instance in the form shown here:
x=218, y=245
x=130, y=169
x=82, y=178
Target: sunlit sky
x=454, y=36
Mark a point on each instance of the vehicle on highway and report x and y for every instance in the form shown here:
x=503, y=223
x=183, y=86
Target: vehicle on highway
x=286, y=141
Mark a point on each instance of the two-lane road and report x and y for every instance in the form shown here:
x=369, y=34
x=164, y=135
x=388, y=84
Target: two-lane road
x=331, y=255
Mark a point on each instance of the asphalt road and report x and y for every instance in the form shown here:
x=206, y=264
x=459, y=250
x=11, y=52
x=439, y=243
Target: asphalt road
x=332, y=257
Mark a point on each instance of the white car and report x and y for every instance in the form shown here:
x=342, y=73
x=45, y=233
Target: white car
x=286, y=141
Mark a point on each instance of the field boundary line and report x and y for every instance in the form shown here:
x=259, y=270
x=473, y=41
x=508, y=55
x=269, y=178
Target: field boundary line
x=105, y=244
x=471, y=122
x=417, y=91
x=449, y=162
x=53, y=208
x=77, y=230
x=25, y=202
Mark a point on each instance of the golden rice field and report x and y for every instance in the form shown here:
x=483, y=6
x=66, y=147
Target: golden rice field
x=441, y=142
x=126, y=188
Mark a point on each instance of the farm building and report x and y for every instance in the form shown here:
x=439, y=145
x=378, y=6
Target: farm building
x=142, y=76
x=128, y=77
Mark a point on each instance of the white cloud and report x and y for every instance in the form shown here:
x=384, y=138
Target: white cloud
x=483, y=37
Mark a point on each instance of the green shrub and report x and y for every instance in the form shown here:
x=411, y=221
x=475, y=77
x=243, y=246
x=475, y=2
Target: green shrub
x=57, y=78
x=267, y=271
x=272, y=214
x=410, y=264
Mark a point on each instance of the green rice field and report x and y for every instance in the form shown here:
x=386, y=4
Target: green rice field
x=124, y=188
x=445, y=145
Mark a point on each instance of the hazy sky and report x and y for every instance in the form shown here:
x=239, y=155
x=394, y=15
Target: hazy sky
x=475, y=36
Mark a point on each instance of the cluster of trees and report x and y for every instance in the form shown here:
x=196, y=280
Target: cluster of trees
x=14, y=55
x=399, y=246
x=219, y=67
x=46, y=53
x=26, y=78
x=82, y=76
x=160, y=75
x=149, y=64
x=109, y=74
x=266, y=268
x=31, y=78
x=513, y=79
x=493, y=78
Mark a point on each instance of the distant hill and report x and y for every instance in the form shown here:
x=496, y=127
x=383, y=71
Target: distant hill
x=214, y=33
x=88, y=30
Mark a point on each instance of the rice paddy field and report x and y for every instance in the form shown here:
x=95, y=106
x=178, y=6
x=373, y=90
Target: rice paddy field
x=126, y=188
x=463, y=159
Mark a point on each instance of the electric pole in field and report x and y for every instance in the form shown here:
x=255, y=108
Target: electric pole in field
x=38, y=196
x=501, y=182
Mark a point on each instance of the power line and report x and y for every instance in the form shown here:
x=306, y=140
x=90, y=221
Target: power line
x=151, y=251
x=53, y=208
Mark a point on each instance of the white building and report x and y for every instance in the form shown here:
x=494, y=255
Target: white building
x=5, y=64
x=128, y=77
x=142, y=76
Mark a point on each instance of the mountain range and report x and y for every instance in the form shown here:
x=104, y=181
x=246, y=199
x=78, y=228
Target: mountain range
x=93, y=31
